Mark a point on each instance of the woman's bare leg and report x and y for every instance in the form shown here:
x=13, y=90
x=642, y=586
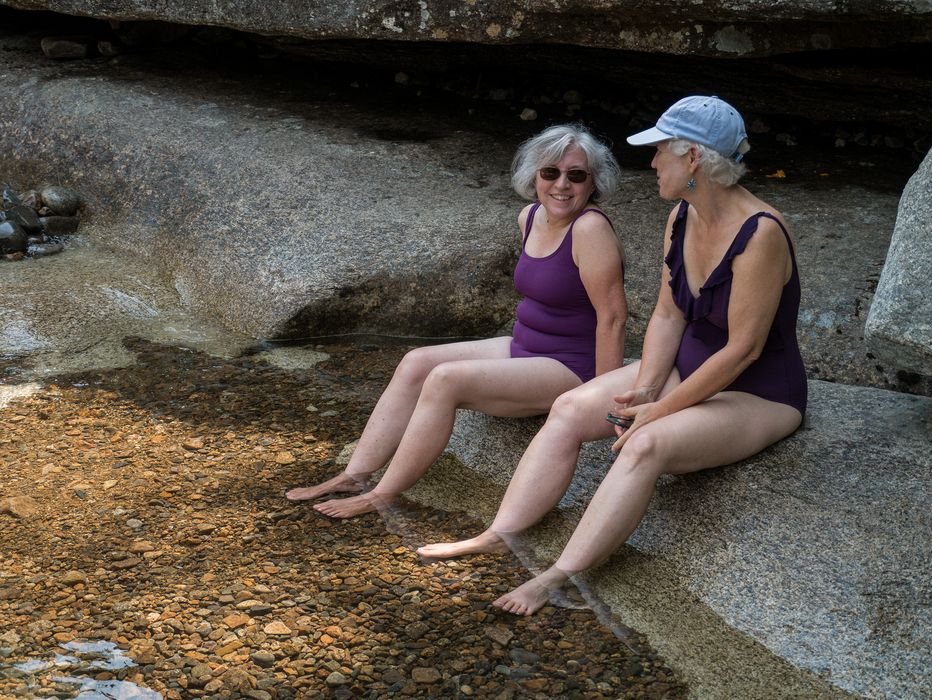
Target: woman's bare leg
x=393, y=410
x=546, y=468
x=500, y=387
x=727, y=428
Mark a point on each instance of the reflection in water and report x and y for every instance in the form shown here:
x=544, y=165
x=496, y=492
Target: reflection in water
x=42, y=679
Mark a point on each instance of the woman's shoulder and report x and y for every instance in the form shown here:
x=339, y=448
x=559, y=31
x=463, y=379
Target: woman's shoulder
x=770, y=218
x=759, y=210
x=593, y=219
x=765, y=229
x=594, y=237
x=764, y=235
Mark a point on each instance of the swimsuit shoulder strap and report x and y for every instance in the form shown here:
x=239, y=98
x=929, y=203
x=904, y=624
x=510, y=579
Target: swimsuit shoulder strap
x=529, y=222
x=786, y=233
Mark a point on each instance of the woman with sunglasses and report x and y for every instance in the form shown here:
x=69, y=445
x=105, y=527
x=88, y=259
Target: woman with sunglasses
x=720, y=377
x=570, y=327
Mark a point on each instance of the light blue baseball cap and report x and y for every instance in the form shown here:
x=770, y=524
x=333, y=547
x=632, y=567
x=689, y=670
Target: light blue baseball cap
x=707, y=120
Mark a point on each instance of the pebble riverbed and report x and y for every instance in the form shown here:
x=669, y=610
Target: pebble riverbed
x=142, y=511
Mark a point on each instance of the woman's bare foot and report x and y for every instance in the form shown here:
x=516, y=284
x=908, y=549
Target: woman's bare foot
x=352, y=506
x=341, y=483
x=532, y=595
x=487, y=542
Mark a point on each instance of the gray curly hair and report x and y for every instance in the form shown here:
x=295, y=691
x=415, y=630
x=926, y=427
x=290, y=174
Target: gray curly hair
x=549, y=147
x=715, y=166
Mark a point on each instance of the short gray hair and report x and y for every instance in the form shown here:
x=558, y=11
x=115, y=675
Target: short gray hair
x=549, y=147
x=715, y=166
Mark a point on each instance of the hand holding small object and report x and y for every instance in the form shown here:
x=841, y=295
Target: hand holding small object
x=622, y=422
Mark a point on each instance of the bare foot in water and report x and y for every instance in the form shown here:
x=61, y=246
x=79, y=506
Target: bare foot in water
x=341, y=483
x=532, y=595
x=487, y=542
x=350, y=507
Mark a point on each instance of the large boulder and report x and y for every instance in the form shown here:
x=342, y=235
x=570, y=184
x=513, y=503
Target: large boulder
x=808, y=562
x=899, y=324
x=715, y=28
x=277, y=215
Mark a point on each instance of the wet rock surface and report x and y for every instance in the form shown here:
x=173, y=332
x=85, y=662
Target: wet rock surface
x=71, y=311
x=161, y=527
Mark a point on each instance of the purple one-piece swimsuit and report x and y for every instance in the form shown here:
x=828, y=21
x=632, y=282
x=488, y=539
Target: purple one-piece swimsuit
x=778, y=374
x=555, y=318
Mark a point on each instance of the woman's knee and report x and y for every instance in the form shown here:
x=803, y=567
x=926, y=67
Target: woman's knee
x=576, y=405
x=415, y=366
x=445, y=380
x=642, y=453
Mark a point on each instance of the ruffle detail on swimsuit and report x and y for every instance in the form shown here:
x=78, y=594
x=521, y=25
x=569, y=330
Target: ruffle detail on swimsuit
x=695, y=308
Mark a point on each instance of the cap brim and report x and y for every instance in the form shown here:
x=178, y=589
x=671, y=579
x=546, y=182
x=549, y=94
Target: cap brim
x=649, y=137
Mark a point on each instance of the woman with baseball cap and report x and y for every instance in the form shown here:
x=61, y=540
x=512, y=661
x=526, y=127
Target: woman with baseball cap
x=720, y=377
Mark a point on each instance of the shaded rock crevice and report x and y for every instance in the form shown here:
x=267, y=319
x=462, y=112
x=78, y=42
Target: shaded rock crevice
x=378, y=305
x=889, y=84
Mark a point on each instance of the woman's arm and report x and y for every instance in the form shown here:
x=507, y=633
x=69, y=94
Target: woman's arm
x=662, y=338
x=599, y=256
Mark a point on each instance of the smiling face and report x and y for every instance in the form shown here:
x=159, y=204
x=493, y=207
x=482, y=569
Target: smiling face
x=672, y=171
x=562, y=198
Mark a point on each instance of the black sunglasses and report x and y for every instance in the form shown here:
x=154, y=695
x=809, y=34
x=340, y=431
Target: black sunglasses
x=552, y=173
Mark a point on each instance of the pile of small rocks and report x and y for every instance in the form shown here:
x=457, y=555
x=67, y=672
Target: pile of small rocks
x=34, y=222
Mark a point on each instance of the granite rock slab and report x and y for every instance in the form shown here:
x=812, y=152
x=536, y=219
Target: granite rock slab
x=899, y=324
x=817, y=550
x=278, y=214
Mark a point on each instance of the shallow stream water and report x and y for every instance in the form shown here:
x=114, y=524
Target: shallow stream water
x=71, y=311
x=158, y=557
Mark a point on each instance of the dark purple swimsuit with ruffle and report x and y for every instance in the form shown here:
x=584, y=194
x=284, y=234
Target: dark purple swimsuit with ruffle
x=778, y=374
x=555, y=318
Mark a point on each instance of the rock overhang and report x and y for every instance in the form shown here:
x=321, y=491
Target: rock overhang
x=724, y=28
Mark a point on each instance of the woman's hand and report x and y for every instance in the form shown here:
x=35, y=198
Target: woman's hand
x=638, y=406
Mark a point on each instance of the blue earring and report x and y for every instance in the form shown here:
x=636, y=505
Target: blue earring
x=691, y=184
